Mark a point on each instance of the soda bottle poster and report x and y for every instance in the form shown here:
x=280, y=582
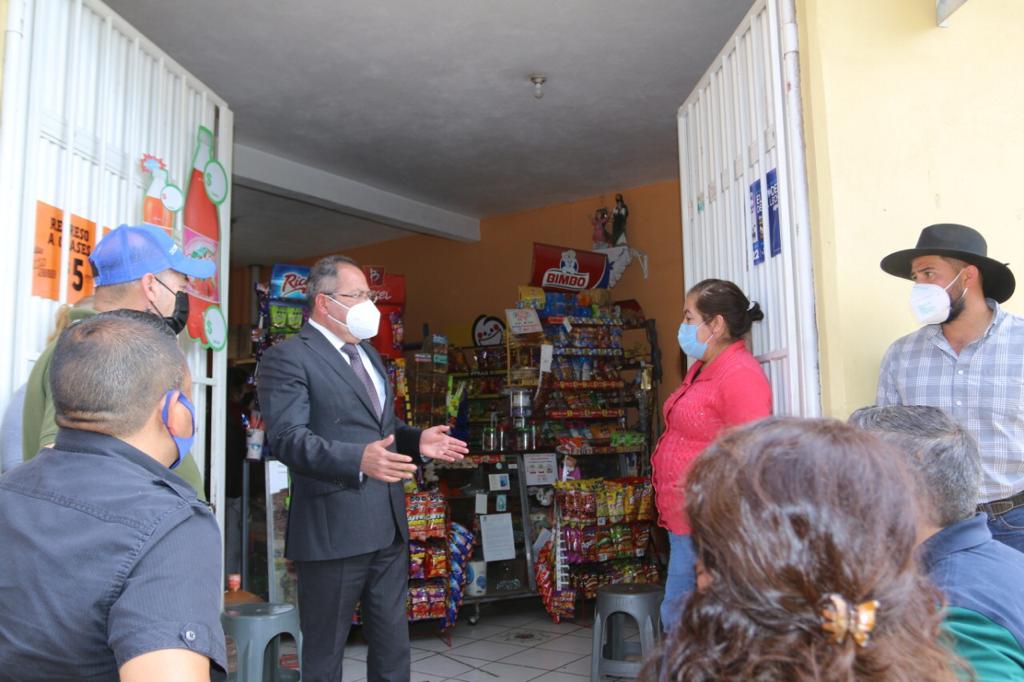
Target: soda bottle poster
x=757, y=222
x=163, y=198
x=207, y=189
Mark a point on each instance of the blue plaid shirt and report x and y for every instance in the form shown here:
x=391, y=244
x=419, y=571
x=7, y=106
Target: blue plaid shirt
x=982, y=388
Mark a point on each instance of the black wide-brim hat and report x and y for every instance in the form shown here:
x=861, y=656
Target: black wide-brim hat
x=960, y=242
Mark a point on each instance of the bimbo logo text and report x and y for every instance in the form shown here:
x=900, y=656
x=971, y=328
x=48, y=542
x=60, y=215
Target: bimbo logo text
x=567, y=275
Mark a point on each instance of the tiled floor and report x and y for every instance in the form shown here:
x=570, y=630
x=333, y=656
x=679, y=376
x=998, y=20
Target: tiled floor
x=511, y=643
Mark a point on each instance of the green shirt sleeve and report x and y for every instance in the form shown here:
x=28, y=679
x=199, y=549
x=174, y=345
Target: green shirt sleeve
x=189, y=472
x=48, y=425
x=987, y=646
x=38, y=408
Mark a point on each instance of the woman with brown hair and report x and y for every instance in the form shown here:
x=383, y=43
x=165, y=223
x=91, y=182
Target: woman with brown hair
x=724, y=387
x=804, y=532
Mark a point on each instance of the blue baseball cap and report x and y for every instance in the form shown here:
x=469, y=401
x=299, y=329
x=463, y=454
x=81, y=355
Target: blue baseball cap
x=131, y=251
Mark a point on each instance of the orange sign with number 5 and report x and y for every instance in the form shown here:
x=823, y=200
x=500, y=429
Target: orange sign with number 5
x=46, y=254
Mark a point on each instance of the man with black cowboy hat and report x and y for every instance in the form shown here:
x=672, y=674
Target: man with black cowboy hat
x=968, y=360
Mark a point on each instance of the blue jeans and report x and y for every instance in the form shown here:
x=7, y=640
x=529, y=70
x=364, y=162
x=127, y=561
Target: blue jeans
x=1008, y=528
x=682, y=579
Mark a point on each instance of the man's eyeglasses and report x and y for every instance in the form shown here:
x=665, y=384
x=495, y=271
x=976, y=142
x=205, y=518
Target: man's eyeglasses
x=358, y=296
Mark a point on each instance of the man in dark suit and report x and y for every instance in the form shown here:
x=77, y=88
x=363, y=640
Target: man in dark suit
x=327, y=402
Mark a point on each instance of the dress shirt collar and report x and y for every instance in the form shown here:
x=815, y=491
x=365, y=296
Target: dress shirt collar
x=329, y=335
x=77, y=440
x=955, y=538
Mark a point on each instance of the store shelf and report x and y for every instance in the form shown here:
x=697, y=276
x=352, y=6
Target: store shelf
x=587, y=385
x=595, y=352
x=582, y=321
x=480, y=373
x=613, y=413
x=485, y=396
x=604, y=450
x=601, y=558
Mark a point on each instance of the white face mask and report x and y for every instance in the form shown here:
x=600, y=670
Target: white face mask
x=363, y=318
x=930, y=302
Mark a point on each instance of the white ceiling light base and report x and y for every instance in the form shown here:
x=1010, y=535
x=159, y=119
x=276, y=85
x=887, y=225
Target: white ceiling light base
x=538, y=84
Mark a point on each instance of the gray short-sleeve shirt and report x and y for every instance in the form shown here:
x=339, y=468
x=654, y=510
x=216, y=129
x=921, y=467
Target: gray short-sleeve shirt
x=104, y=555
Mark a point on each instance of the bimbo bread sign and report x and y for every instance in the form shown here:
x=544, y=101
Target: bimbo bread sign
x=557, y=267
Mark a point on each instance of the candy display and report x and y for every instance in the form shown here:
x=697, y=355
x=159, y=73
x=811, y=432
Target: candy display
x=587, y=579
x=602, y=543
x=427, y=601
x=596, y=501
x=558, y=603
x=417, y=559
x=436, y=561
x=426, y=513
x=460, y=547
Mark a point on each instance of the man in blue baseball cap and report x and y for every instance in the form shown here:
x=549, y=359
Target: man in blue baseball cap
x=135, y=267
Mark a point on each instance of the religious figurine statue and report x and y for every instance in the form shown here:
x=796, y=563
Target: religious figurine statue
x=619, y=215
x=614, y=245
x=600, y=223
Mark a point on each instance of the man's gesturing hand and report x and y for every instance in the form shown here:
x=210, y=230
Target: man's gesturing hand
x=380, y=463
x=437, y=444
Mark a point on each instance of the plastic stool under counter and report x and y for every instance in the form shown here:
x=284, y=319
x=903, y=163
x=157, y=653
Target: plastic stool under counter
x=256, y=630
x=610, y=650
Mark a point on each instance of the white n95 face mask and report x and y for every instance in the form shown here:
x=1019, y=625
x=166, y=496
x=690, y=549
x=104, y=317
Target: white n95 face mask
x=930, y=302
x=363, y=319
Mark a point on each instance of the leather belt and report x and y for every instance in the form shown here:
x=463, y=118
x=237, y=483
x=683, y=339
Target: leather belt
x=999, y=507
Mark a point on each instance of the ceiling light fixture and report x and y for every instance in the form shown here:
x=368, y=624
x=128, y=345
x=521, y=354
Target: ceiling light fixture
x=538, y=84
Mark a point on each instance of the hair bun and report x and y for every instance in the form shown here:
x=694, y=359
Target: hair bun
x=754, y=312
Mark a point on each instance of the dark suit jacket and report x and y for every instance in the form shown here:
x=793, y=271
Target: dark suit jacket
x=319, y=419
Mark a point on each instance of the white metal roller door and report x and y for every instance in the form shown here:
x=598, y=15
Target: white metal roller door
x=739, y=135
x=85, y=96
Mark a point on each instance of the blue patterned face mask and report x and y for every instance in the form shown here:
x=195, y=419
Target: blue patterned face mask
x=689, y=343
x=184, y=444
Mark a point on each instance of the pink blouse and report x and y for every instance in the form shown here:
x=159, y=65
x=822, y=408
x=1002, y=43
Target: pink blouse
x=731, y=390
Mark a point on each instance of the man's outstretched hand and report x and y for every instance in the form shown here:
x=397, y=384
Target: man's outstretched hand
x=380, y=463
x=437, y=444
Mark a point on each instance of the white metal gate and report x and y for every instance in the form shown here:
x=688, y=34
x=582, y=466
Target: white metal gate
x=742, y=175
x=85, y=96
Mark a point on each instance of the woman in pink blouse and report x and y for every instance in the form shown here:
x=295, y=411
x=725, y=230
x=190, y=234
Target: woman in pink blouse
x=723, y=388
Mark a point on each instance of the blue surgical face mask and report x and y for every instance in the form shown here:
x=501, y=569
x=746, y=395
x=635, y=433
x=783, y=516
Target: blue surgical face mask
x=689, y=343
x=184, y=445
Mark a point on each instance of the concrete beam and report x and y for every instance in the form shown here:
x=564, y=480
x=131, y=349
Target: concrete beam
x=260, y=170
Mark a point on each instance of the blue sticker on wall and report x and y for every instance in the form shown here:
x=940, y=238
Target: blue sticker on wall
x=774, y=230
x=757, y=222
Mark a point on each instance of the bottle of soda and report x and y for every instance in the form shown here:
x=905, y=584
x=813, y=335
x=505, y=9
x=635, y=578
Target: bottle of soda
x=201, y=235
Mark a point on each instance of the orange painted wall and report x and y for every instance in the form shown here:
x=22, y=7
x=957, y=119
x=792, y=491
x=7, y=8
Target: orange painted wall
x=450, y=283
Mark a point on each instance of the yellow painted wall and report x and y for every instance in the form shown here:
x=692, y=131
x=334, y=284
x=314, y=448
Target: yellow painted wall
x=451, y=282
x=907, y=124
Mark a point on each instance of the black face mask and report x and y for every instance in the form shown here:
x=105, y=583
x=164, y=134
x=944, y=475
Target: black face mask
x=179, y=316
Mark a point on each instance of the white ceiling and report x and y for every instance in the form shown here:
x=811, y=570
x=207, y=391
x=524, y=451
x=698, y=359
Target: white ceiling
x=431, y=100
x=270, y=228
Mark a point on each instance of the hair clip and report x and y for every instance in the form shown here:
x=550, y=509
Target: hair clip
x=751, y=306
x=840, y=619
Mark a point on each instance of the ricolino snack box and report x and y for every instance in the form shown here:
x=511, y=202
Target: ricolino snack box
x=288, y=289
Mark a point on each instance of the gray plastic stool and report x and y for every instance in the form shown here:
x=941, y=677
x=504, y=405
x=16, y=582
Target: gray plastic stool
x=614, y=603
x=254, y=627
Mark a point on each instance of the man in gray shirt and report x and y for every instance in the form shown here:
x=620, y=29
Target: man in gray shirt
x=110, y=566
